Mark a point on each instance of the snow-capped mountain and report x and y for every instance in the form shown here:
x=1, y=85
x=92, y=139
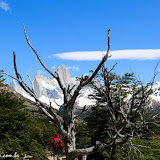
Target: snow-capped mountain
x=47, y=90
x=156, y=91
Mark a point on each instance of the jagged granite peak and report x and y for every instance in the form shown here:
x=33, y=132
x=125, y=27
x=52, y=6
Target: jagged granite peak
x=13, y=84
x=20, y=90
x=64, y=75
x=40, y=77
x=36, y=85
x=46, y=87
x=48, y=90
x=38, y=74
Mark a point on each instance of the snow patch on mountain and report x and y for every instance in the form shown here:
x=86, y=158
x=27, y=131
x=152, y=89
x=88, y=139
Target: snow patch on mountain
x=48, y=91
x=156, y=91
x=20, y=90
x=83, y=97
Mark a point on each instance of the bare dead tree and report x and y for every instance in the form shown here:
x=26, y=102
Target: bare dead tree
x=66, y=123
x=123, y=116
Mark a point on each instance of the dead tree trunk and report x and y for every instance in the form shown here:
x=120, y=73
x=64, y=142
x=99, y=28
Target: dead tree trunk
x=66, y=123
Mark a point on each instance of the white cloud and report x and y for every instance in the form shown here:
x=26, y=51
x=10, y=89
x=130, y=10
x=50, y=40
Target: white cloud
x=72, y=67
x=139, y=54
x=4, y=6
x=54, y=67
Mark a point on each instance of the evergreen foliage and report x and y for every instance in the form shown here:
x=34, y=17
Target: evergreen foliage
x=83, y=139
x=19, y=131
x=99, y=124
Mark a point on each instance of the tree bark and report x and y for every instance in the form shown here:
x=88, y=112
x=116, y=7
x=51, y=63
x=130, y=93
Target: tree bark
x=66, y=124
x=84, y=157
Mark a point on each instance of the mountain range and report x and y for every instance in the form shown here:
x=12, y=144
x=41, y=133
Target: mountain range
x=47, y=90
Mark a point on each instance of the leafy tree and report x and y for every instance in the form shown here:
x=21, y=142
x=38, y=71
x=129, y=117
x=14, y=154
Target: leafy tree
x=83, y=138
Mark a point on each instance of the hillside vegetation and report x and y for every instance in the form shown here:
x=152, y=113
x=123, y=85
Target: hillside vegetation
x=19, y=131
x=28, y=133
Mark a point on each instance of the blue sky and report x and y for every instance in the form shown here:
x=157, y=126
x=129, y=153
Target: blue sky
x=74, y=33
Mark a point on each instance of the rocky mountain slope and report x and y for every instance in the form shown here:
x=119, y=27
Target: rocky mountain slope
x=30, y=105
x=156, y=91
x=47, y=90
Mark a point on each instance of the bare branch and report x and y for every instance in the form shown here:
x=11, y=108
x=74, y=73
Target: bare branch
x=31, y=84
x=85, y=109
x=112, y=68
x=36, y=53
x=84, y=82
x=56, y=77
x=55, y=101
x=28, y=91
x=40, y=104
x=70, y=89
x=97, y=148
x=101, y=63
x=9, y=76
x=20, y=80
